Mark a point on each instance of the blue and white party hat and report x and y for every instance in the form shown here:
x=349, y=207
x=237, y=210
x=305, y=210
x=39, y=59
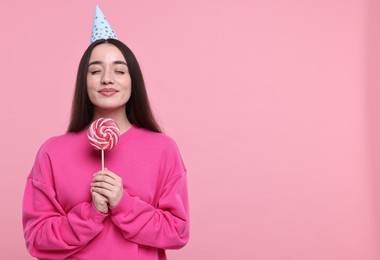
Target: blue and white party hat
x=101, y=28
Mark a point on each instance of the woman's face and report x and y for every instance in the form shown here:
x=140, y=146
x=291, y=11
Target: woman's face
x=108, y=80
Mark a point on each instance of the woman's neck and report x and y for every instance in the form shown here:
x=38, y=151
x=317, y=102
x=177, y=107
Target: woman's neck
x=119, y=117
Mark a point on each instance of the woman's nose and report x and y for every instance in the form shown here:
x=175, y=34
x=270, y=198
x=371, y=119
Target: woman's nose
x=107, y=78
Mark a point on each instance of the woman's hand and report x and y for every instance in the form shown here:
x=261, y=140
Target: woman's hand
x=108, y=185
x=100, y=202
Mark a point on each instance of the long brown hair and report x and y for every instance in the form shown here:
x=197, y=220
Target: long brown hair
x=137, y=109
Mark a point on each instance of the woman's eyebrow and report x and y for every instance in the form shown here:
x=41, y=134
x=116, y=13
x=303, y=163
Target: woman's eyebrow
x=94, y=63
x=120, y=62
x=100, y=62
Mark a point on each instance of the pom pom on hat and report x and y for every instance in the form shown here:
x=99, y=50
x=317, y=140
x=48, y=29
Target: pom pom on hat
x=101, y=28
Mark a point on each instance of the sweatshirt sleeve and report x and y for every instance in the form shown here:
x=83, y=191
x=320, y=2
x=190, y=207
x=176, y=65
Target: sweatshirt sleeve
x=50, y=232
x=165, y=226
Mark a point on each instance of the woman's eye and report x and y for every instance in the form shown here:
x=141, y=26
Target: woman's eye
x=94, y=72
x=120, y=72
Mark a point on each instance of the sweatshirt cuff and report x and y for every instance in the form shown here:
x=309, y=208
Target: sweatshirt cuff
x=95, y=216
x=124, y=206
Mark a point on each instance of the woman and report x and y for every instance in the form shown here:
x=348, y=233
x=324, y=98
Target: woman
x=134, y=209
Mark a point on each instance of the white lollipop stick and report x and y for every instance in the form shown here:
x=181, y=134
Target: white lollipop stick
x=103, y=159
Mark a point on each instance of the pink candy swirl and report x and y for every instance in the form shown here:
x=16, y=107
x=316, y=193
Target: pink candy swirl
x=103, y=134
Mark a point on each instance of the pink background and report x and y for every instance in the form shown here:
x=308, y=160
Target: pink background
x=274, y=105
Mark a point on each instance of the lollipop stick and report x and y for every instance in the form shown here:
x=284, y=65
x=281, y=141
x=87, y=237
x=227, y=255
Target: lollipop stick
x=103, y=159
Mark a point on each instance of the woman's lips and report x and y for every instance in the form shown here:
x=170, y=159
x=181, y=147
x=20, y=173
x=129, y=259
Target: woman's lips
x=108, y=92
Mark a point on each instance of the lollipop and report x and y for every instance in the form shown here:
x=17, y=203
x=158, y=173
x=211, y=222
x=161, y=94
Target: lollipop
x=103, y=135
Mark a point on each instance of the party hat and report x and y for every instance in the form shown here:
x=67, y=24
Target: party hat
x=101, y=28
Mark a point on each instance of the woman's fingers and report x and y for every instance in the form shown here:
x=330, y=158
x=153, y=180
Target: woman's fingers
x=113, y=196
x=107, y=176
x=109, y=185
x=100, y=201
x=102, y=184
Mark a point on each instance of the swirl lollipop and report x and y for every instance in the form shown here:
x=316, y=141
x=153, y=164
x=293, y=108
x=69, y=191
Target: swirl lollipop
x=103, y=134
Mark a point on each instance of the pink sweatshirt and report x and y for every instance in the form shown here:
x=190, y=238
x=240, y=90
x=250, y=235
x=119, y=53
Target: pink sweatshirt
x=60, y=221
